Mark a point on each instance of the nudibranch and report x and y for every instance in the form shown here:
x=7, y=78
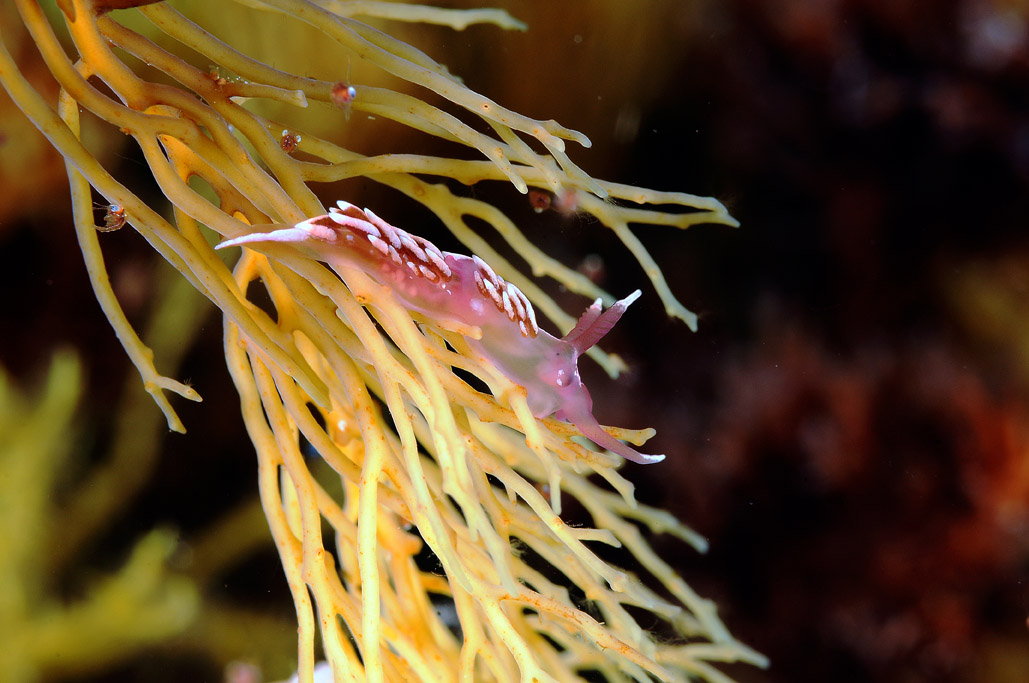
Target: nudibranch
x=446, y=286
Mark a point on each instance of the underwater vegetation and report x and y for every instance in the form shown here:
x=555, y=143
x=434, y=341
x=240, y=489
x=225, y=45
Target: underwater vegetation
x=849, y=427
x=413, y=465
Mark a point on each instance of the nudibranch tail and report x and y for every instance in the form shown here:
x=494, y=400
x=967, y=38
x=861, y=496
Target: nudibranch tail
x=288, y=235
x=593, y=324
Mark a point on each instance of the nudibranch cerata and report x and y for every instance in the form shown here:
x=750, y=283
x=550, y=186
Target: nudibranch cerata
x=446, y=286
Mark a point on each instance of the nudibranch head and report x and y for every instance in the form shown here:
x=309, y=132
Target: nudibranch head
x=573, y=398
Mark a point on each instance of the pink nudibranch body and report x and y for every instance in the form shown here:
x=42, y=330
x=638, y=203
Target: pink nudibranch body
x=447, y=286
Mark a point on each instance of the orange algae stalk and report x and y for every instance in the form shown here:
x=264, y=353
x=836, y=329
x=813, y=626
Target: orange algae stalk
x=450, y=471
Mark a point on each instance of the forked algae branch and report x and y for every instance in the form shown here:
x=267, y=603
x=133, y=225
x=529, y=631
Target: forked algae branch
x=366, y=371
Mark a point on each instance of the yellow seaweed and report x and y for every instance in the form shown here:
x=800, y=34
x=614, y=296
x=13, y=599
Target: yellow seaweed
x=424, y=459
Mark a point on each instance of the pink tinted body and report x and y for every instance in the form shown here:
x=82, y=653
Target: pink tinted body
x=447, y=286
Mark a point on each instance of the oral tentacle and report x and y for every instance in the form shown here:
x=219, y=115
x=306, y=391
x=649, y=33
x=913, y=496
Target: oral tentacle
x=591, y=429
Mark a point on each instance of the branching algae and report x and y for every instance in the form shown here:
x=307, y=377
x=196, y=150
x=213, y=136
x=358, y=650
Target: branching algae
x=365, y=374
